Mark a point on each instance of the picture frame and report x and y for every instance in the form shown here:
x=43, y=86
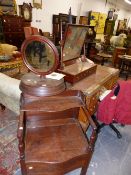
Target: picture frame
x=121, y=25
x=37, y=4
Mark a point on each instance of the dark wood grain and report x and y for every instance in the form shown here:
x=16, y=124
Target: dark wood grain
x=51, y=139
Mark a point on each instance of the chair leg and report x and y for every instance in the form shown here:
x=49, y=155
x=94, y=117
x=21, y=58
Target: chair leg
x=84, y=169
x=116, y=131
x=100, y=126
x=95, y=120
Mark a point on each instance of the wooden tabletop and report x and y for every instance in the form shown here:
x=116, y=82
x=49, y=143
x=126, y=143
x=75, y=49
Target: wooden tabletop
x=104, y=55
x=96, y=80
x=11, y=64
x=127, y=57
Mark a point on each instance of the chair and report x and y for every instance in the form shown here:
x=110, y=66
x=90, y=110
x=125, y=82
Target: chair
x=125, y=66
x=118, y=51
x=51, y=140
x=40, y=32
x=116, y=107
x=30, y=31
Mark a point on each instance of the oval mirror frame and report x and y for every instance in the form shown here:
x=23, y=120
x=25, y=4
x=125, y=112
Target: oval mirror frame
x=40, y=67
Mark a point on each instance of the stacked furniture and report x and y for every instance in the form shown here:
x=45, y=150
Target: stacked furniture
x=9, y=97
x=51, y=139
x=60, y=22
x=12, y=29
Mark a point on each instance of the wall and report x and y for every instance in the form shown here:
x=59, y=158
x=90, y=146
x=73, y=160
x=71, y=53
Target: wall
x=42, y=18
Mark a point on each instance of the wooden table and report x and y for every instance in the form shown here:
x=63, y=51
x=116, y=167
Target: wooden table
x=125, y=65
x=102, y=57
x=93, y=85
x=11, y=65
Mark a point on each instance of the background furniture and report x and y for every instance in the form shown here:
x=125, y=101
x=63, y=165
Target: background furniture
x=125, y=65
x=12, y=64
x=8, y=7
x=59, y=25
x=83, y=20
x=29, y=31
x=7, y=49
x=102, y=58
x=10, y=92
x=12, y=29
x=109, y=27
x=10, y=59
x=118, y=51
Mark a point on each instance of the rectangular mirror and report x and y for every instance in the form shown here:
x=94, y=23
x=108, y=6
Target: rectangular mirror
x=73, y=41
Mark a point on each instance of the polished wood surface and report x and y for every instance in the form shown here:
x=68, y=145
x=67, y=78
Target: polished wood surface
x=13, y=29
x=103, y=75
x=125, y=65
x=39, y=86
x=11, y=67
x=51, y=140
x=77, y=71
x=118, y=51
x=92, y=87
x=102, y=57
x=59, y=25
x=14, y=63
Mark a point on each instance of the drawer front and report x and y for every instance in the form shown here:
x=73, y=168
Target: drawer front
x=14, y=38
x=83, y=120
x=92, y=102
x=111, y=82
x=13, y=19
x=12, y=28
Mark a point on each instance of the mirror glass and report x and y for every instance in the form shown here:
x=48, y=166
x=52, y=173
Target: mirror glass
x=74, y=40
x=40, y=56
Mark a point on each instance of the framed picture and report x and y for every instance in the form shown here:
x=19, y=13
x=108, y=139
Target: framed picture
x=37, y=4
x=121, y=25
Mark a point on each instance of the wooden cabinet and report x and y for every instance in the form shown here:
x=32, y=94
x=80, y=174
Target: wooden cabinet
x=118, y=51
x=1, y=32
x=12, y=30
x=109, y=27
x=83, y=20
x=59, y=25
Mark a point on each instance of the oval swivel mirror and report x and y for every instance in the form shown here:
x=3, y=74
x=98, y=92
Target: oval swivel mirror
x=40, y=55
